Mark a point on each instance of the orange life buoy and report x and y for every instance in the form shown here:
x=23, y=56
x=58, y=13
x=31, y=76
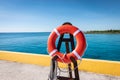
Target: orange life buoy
x=80, y=45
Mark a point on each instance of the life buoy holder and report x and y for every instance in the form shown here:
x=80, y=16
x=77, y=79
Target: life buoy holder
x=80, y=45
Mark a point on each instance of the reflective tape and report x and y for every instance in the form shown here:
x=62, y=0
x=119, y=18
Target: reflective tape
x=55, y=30
x=77, y=55
x=76, y=32
x=53, y=52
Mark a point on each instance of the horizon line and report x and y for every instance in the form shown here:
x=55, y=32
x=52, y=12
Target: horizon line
x=51, y=31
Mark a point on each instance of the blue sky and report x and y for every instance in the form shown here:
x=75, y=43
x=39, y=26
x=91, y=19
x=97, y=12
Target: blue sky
x=45, y=15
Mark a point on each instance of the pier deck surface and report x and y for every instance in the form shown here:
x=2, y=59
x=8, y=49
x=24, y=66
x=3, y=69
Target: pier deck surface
x=19, y=71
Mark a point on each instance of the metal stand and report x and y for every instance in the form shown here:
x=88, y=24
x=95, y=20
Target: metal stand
x=53, y=70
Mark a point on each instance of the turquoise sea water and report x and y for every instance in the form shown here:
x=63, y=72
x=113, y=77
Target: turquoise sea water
x=100, y=46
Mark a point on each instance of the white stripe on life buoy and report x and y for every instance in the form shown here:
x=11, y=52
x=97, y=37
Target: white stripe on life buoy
x=53, y=52
x=55, y=30
x=76, y=54
x=76, y=32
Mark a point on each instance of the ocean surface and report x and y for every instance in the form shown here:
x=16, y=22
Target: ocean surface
x=100, y=46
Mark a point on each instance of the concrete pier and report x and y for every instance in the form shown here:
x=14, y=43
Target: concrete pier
x=19, y=71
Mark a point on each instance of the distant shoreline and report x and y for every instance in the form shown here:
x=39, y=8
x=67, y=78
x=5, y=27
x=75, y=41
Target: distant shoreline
x=86, y=32
x=103, y=32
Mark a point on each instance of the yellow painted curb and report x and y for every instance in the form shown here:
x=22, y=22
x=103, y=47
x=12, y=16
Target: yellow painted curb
x=91, y=65
x=38, y=59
